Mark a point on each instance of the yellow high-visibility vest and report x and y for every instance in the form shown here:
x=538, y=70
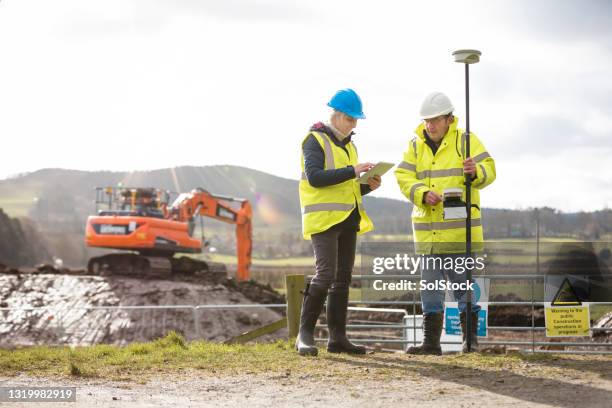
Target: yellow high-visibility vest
x=324, y=207
x=421, y=171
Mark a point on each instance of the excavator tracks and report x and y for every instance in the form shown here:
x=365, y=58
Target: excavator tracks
x=154, y=267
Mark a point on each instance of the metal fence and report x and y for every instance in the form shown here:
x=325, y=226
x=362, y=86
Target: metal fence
x=530, y=345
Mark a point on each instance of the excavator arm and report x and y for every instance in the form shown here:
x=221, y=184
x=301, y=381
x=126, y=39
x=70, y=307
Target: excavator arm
x=200, y=202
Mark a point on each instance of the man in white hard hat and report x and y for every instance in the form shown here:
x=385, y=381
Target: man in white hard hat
x=434, y=162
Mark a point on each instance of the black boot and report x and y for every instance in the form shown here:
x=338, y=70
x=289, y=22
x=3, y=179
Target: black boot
x=337, y=302
x=474, y=336
x=432, y=330
x=314, y=297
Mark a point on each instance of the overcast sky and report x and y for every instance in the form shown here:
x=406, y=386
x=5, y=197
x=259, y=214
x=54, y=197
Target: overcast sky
x=146, y=84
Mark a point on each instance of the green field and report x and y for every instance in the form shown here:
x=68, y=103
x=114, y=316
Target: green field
x=18, y=203
x=231, y=260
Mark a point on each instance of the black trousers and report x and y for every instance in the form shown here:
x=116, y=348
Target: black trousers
x=334, y=251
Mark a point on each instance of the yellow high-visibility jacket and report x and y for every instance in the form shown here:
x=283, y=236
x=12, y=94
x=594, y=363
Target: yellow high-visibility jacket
x=421, y=171
x=324, y=207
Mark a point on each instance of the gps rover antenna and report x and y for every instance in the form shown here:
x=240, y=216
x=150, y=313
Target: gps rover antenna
x=468, y=57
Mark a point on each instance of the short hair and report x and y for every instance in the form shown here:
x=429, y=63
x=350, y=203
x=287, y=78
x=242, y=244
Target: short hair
x=340, y=113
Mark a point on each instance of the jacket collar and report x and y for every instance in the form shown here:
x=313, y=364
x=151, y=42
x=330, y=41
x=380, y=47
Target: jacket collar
x=320, y=127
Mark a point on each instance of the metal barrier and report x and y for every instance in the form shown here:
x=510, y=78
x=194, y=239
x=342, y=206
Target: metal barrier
x=532, y=329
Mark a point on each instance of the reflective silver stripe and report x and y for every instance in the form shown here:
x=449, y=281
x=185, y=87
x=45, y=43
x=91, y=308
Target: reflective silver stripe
x=439, y=173
x=406, y=166
x=421, y=226
x=304, y=176
x=454, y=224
x=327, y=207
x=481, y=156
x=484, y=175
x=446, y=173
x=413, y=189
x=414, y=147
x=425, y=226
x=329, y=154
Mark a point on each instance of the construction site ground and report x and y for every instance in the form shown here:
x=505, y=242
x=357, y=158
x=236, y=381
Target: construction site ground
x=173, y=373
x=76, y=309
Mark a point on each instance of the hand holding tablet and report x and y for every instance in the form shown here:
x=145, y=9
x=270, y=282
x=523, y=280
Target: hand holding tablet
x=378, y=170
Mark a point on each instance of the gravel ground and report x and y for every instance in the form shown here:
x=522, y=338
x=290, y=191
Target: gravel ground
x=407, y=384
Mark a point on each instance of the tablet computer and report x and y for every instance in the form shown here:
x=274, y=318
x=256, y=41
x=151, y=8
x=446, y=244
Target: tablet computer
x=378, y=170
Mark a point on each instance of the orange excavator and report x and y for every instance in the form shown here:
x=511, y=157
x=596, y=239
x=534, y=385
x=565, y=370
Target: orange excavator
x=141, y=221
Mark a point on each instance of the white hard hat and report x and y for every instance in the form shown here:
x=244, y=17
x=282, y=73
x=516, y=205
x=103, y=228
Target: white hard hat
x=436, y=104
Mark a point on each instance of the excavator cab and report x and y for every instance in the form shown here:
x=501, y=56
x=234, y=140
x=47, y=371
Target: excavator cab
x=140, y=202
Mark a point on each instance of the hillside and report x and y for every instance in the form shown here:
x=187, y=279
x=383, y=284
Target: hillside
x=65, y=196
x=60, y=200
x=50, y=192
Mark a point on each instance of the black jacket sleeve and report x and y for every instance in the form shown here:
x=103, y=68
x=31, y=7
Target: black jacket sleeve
x=314, y=164
x=365, y=189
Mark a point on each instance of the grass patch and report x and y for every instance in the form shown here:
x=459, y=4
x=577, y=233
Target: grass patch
x=18, y=203
x=75, y=371
x=597, y=311
x=231, y=260
x=173, y=355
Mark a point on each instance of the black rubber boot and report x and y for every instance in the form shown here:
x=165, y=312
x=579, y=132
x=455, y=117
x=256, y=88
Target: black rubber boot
x=432, y=330
x=337, y=303
x=474, y=336
x=314, y=298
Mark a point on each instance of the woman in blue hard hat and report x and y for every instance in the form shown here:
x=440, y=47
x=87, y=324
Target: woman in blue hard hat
x=332, y=216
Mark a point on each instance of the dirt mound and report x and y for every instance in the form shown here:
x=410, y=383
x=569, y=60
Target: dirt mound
x=20, y=243
x=252, y=290
x=82, y=310
x=256, y=292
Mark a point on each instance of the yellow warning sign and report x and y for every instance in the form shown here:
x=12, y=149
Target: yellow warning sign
x=567, y=321
x=566, y=296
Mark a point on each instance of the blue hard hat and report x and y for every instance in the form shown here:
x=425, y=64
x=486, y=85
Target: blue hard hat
x=347, y=101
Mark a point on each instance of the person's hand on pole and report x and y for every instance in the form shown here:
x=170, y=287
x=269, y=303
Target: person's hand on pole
x=469, y=167
x=432, y=198
x=362, y=167
x=374, y=182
